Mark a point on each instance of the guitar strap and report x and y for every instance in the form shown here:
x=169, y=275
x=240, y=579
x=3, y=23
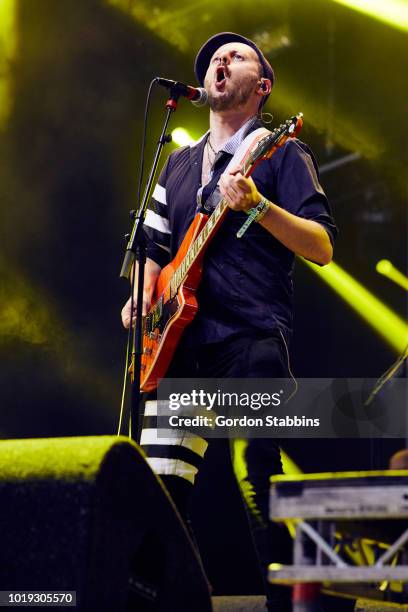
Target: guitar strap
x=211, y=193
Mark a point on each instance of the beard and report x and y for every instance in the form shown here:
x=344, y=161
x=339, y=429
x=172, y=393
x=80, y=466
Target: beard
x=236, y=97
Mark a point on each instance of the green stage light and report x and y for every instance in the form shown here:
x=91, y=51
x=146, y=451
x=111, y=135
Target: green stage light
x=392, y=12
x=8, y=45
x=171, y=23
x=239, y=447
x=181, y=137
x=386, y=268
x=386, y=322
x=288, y=465
x=28, y=317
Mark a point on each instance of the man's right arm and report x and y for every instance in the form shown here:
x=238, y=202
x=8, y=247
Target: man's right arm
x=152, y=271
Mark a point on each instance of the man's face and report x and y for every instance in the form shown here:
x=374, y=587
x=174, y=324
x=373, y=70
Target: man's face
x=232, y=76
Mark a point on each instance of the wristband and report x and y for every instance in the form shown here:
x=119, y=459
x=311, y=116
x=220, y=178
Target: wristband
x=261, y=209
x=254, y=214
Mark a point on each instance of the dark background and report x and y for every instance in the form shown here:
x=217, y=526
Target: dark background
x=74, y=80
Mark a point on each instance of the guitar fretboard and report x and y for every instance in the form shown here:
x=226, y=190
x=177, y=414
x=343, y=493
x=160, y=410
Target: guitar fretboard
x=198, y=247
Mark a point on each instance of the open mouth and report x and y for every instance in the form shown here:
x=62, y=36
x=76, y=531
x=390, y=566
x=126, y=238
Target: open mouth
x=221, y=75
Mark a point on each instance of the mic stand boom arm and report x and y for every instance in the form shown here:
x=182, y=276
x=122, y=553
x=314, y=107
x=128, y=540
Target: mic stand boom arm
x=136, y=250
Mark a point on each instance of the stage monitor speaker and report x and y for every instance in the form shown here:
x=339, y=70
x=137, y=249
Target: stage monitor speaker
x=88, y=515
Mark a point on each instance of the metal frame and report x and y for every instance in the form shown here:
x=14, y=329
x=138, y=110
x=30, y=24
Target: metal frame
x=319, y=544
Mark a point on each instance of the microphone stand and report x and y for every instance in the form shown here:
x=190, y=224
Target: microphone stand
x=136, y=250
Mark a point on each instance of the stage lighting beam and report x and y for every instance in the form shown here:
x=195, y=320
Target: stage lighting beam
x=385, y=267
x=391, y=12
x=8, y=45
x=385, y=321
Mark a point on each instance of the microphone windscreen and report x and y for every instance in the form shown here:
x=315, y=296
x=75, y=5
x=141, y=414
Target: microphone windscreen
x=202, y=98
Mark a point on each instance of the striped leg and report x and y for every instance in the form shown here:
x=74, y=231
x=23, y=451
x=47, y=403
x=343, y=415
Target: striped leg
x=176, y=458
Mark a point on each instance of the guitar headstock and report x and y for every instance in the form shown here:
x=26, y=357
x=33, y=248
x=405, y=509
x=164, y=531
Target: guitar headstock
x=266, y=146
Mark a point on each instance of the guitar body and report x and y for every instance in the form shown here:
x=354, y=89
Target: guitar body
x=177, y=311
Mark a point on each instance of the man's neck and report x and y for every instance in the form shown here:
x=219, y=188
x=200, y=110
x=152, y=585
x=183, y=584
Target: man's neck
x=224, y=125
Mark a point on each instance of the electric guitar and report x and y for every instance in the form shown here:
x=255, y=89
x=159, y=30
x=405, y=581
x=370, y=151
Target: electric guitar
x=174, y=302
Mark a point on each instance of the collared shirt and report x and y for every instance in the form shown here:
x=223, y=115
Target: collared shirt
x=229, y=147
x=247, y=282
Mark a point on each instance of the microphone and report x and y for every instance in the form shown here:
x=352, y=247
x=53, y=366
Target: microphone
x=197, y=95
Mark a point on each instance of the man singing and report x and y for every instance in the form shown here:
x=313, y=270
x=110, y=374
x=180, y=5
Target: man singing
x=244, y=323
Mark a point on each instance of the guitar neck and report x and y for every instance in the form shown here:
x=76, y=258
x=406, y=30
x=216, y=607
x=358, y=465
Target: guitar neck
x=264, y=149
x=199, y=246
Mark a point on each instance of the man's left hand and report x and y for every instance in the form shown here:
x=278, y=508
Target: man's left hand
x=239, y=192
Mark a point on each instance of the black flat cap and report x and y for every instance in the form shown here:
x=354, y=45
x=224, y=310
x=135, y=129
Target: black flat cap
x=208, y=49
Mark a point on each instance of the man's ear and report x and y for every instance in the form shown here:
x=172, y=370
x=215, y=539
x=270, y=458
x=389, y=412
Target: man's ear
x=265, y=86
